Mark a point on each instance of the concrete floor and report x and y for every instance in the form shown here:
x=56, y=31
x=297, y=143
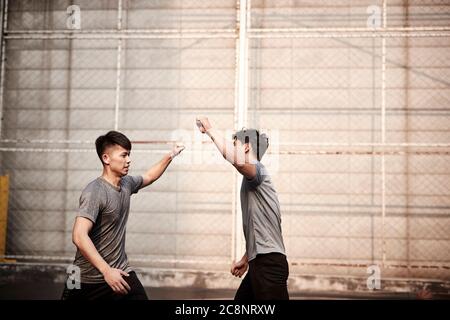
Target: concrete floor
x=52, y=291
x=27, y=281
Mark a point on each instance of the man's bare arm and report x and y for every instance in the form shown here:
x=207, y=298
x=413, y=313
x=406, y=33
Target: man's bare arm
x=158, y=169
x=81, y=239
x=227, y=149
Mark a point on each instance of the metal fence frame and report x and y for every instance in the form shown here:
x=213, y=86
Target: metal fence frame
x=242, y=34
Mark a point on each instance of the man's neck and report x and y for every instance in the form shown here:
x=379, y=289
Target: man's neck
x=111, y=178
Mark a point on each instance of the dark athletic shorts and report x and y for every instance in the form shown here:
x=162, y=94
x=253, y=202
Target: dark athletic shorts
x=266, y=278
x=102, y=291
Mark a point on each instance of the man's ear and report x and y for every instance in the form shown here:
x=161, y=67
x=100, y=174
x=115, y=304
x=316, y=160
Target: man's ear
x=105, y=158
x=247, y=147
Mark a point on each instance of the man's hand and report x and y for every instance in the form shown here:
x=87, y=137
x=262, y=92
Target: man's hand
x=203, y=124
x=176, y=150
x=239, y=268
x=113, y=278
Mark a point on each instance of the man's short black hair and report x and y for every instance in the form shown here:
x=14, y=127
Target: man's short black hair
x=110, y=139
x=259, y=142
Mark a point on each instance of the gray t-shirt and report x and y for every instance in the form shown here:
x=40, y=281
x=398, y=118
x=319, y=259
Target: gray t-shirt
x=107, y=206
x=261, y=215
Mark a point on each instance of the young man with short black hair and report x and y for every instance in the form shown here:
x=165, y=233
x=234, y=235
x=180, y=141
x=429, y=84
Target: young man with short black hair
x=99, y=229
x=265, y=256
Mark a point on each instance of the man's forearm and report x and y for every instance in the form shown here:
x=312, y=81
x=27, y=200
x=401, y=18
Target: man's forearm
x=158, y=169
x=88, y=250
x=225, y=147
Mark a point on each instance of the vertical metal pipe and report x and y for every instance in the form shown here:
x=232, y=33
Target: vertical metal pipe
x=383, y=136
x=119, y=57
x=4, y=28
x=240, y=116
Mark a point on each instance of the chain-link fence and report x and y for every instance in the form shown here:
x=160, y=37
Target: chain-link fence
x=354, y=96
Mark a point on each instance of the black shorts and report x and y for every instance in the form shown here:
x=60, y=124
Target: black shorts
x=102, y=291
x=266, y=278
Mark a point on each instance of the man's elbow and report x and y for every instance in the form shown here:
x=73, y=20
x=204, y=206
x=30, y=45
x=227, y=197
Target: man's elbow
x=239, y=166
x=230, y=158
x=148, y=179
x=77, y=238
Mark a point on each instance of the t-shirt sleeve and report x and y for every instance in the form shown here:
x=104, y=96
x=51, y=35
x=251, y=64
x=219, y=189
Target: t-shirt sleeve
x=135, y=183
x=90, y=204
x=259, y=178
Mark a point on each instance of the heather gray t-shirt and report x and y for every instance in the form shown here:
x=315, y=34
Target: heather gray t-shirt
x=107, y=206
x=261, y=214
